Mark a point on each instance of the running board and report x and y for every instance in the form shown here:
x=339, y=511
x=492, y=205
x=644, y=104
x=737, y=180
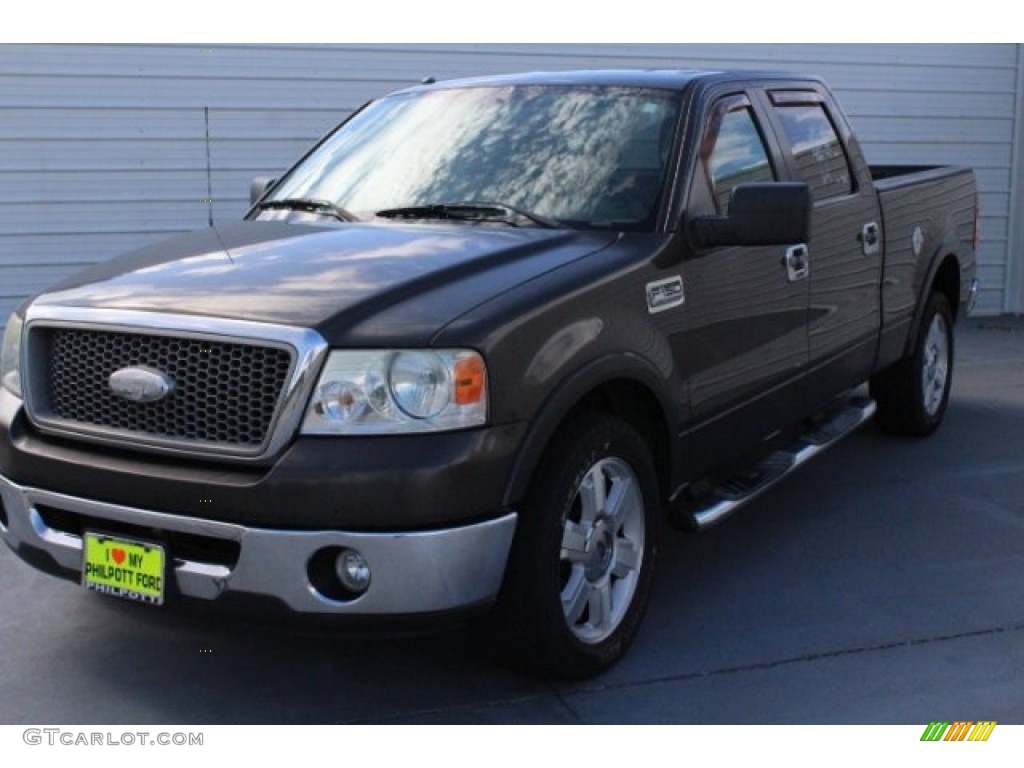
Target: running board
x=735, y=491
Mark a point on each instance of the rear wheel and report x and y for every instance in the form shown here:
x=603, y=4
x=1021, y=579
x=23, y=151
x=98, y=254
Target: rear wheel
x=580, y=571
x=912, y=395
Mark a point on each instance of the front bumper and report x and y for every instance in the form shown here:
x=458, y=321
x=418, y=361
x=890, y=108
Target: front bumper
x=413, y=572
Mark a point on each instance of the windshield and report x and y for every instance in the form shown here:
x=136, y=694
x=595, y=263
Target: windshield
x=581, y=156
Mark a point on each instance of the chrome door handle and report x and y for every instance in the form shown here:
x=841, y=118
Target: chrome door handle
x=797, y=263
x=869, y=238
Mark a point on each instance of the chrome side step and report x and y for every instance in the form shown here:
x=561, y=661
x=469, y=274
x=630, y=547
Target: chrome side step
x=737, y=490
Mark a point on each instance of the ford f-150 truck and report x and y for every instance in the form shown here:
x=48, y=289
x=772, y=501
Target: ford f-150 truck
x=464, y=354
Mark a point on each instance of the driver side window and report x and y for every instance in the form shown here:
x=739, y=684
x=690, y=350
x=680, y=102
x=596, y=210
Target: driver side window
x=736, y=155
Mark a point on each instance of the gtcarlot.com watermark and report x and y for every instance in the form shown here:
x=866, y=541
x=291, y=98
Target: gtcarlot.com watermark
x=60, y=737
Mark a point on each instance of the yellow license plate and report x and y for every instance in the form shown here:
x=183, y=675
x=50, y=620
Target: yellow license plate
x=130, y=569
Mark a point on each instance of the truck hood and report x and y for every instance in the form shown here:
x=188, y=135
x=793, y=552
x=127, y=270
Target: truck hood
x=358, y=283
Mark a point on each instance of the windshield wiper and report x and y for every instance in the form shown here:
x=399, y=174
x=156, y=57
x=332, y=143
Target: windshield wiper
x=468, y=212
x=309, y=204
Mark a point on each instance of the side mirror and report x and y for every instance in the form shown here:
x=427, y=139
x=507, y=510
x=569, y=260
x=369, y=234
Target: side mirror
x=259, y=187
x=777, y=213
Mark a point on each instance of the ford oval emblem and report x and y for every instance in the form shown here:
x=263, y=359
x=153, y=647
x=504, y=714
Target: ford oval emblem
x=140, y=384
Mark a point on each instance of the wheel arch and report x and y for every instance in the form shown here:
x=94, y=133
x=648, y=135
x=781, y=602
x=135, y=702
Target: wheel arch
x=624, y=386
x=943, y=276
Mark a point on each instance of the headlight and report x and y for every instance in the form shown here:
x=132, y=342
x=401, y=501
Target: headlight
x=382, y=392
x=10, y=355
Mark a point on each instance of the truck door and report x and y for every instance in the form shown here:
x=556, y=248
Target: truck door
x=845, y=251
x=746, y=345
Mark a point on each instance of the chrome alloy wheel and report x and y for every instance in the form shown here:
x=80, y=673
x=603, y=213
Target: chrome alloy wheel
x=602, y=550
x=935, y=368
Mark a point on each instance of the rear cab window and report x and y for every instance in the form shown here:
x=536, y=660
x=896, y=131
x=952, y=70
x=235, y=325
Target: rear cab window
x=817, y=153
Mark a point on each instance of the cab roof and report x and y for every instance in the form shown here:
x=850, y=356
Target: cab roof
x=670, y=79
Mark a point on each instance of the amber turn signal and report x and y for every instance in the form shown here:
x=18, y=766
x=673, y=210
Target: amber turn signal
x=470, y=380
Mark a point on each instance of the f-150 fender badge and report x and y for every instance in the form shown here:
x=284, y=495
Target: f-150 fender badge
x=665, y=294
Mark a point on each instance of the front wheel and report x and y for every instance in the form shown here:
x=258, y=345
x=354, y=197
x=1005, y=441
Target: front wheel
x=580, y=571
x=912, y=395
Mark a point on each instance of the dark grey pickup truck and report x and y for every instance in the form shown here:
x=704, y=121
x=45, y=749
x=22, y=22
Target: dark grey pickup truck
x=463, y=355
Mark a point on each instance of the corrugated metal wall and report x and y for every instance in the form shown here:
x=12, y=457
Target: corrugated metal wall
x=106, y=148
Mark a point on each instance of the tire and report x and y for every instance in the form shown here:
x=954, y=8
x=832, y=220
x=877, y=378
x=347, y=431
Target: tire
x=913, y=394
x=579, y=575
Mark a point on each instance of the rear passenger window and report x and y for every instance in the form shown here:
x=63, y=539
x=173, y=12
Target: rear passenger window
x=819, y=155
x=738, y=156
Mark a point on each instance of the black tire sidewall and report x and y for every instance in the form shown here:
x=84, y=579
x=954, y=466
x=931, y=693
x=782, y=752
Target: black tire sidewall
x=898, y=389
x=927, y=423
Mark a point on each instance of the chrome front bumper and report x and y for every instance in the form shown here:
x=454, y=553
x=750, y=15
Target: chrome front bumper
x=412, y=572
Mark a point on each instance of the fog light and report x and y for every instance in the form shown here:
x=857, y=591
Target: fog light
x=353, y=570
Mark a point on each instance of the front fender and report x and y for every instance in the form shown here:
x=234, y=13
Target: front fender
x=624, y=371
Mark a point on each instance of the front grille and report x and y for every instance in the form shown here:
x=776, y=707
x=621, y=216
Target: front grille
x=224, y=394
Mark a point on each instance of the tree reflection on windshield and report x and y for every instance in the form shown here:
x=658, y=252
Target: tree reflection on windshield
x=593, y=156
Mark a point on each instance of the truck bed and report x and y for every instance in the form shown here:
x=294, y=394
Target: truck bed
x=924, y=209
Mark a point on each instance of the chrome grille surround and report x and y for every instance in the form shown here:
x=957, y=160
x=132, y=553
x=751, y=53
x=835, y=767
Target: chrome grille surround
x=221, y=366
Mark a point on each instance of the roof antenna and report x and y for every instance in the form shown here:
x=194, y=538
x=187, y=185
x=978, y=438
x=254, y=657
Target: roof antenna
x=428, y=81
